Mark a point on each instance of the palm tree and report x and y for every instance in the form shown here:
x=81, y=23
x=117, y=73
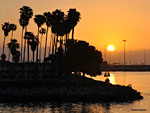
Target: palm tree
x=28, y=36
x=25, y=14
x=64, y=28
x=42, y=32
x=13, y=28
x=73, y=18
x=39, y=20
x=33, y=43
x=23, y=23
x=16, y=56
x=26, y=11
x=6, y=29
x=67, y=28
x=13, y=46
x=57, y=20
x=48, y=17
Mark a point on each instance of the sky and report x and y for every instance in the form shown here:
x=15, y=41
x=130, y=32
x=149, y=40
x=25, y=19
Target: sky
x=103, y=22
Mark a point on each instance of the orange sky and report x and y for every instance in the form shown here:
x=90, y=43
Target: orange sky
x=102, y=22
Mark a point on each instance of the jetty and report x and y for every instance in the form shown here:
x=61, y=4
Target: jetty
x=69, y=88
x=118, y=67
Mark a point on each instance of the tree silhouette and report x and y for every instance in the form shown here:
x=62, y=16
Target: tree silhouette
x=33, y=43
x=13, y=46
x=48, y=17
x=3, y=57
x=6, y=29
x=57, y=21
x=67, y=30
x=28, y=36
x=25, y=14
x=81, y=57
x=73, y=18
x=39, y=20
x=42, y=32
x=13, y=28
x=16, y=57
x=23, y=23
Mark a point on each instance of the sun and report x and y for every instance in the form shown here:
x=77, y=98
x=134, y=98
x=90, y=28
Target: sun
x=111, y=47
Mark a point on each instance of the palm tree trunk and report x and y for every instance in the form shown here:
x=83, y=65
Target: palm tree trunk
x=3, y=53
x=21, y=44
x=28, y=51
x=40, y=47
x=24, y=47
x=66, y=43
x=9, y=49
x=56, y=44
x=53, y=45
x=37, y=47
x=50, y=44
x=4, y=44
x=46, y=43
x=61, y=41
x=72, y=34
x=24, y=50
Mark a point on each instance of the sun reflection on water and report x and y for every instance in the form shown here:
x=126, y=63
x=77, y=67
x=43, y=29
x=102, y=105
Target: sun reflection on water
x=102, y=78
x=112, y=78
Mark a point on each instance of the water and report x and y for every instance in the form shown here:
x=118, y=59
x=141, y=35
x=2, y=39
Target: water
x=139, y=81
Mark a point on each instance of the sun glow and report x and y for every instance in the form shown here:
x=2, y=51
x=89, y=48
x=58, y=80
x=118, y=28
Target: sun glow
x=112, y=78
x=111, y=48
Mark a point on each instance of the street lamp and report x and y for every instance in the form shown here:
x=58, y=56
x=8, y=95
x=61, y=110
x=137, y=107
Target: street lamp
x=124, y=53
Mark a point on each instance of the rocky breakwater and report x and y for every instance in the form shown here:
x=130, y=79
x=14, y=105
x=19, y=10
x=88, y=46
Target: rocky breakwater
x=96, y=93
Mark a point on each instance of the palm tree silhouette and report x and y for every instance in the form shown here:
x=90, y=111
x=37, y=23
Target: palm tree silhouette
x=42, y=32
x=16, y=56
x=25, y=14
x=57, y=20
x=6, y=29
x=48, y=17
x=33, y=43
x=67, y=29
x=39, y=20
x=26, y=11
x=13, y=28
x=73, y=18
x=28, y=36
x=13, y=46
x=23, y=23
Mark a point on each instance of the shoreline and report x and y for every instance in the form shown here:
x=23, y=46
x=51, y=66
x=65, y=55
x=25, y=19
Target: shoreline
x=84, y=89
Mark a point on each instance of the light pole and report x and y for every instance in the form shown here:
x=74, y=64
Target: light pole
x=124, y=54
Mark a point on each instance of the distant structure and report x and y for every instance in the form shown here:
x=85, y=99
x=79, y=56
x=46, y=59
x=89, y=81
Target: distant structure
x=124, y=54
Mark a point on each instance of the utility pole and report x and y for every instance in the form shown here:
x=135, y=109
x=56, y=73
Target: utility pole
x=124, y=41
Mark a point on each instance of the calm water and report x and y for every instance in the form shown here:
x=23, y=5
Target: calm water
x=139, y=81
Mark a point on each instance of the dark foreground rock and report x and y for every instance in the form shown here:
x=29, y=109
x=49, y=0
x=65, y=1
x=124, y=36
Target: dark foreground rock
x=71, y=88
x=106, y=93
